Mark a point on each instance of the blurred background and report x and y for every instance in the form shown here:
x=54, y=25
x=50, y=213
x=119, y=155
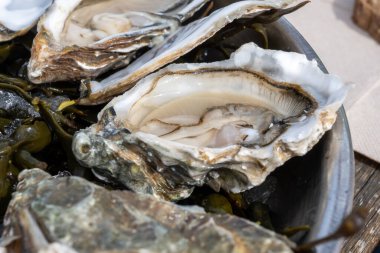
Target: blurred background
x=351, y=53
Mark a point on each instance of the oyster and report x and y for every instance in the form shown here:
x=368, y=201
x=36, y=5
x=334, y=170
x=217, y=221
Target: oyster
x=227, y=124
x=84, y=38
x=70, y=214
x=183, y=41
x=18, y=16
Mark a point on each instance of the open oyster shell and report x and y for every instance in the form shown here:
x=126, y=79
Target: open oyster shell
x=84, y=38
x=183, y=41
x=227, y=124
x=18, y=16
x=70, y=214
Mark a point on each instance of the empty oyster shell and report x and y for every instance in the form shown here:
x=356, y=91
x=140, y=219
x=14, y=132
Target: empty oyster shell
x=70, y=214
x=84, y=38
x=183, y=41
x=18, y=16
x=227, y=124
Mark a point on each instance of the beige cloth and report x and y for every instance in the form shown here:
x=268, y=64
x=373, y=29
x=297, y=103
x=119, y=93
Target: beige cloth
x=347, y=51
x=364, y=120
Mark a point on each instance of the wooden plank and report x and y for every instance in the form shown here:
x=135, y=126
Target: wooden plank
x=367, y=16
x=367, y=193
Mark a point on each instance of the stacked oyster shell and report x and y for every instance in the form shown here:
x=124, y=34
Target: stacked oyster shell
x=84, y=38
x=181, y=42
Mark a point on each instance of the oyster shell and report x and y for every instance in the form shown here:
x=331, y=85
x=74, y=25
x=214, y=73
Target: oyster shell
x=227, y=124
x=18, y=16
x=70, y=214
x=84, y=38
x=183, y=41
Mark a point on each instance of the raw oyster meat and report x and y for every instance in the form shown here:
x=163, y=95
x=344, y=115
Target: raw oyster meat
x=70, y=214
x=227, y=124
x=183, y=41
x=84, y=38
x=18, y=16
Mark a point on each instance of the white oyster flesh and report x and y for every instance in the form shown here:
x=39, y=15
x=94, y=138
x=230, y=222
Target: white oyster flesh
x=227, y=124
x=18, y=16
x=84, y=38
x=183, y=41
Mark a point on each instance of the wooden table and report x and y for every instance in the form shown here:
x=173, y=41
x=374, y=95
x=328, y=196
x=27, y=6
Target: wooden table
x=367, y=193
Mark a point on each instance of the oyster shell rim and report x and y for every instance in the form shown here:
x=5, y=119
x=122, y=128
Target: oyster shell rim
x=254, y=164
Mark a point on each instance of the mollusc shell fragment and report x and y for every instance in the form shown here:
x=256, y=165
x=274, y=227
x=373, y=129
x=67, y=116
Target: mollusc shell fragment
x=70, y=214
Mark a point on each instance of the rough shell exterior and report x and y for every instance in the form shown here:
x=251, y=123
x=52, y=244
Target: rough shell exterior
x=70, y=214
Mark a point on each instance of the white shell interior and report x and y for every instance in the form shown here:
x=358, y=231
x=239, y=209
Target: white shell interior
x=17, y=15
x=187, y=91
x=211, y=108
x=76, y=22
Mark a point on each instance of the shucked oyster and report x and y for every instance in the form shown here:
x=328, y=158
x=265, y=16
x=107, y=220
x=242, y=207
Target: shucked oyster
x=18, y=16
x=84, y=38
x=227, y=124
x=70, y=214
x=183, y=41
